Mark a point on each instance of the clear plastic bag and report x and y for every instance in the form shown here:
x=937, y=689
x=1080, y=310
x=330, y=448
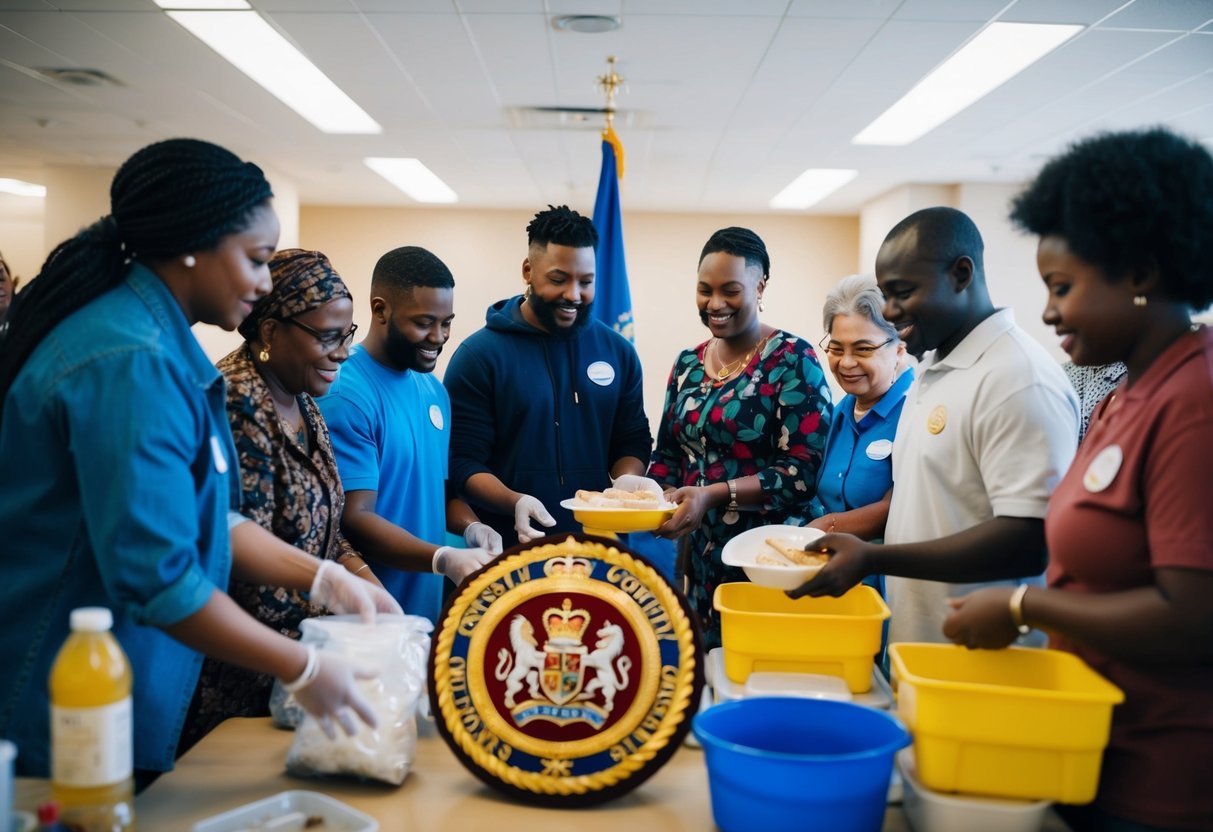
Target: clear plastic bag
x=398, y=646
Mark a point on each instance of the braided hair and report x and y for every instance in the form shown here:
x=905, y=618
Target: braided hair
x=739, y=242
x=168, y=199
x=563, y=226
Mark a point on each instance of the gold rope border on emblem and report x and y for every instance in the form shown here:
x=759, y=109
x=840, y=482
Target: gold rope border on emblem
x=582, y=783
x=646, y=687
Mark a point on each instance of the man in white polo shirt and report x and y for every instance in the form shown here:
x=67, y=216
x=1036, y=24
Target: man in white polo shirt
x=987, y=431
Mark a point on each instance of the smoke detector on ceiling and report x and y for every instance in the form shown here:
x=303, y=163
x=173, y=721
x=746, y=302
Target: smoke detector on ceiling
x=79, y=76
x=590, y=24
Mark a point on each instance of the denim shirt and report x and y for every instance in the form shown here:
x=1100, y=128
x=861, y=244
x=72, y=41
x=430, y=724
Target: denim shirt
x=117, y=471
x=858, y=466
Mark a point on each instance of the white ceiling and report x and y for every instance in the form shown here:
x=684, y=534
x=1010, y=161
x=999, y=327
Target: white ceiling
x=726, y=100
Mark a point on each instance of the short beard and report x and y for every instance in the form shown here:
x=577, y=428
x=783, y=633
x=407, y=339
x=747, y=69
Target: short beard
x=402, y=352
x=546, y=313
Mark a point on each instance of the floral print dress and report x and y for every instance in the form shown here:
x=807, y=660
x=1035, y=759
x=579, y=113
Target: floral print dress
x=291, y=490
x=770, y=420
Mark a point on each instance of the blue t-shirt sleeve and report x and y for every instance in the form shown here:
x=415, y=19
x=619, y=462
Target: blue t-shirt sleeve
x=137, y=482
x=355, y=445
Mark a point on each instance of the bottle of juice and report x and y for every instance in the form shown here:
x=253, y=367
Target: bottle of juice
x=91, y=740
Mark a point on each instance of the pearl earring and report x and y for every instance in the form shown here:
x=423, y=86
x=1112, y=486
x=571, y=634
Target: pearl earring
x=190, y=261
x=1139, y=300
x=760, y=306
x=527, y=293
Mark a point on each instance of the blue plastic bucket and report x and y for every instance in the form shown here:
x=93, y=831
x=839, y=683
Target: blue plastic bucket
x=778, y=763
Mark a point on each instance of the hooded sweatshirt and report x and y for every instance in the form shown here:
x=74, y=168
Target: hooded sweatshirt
x=546, y=414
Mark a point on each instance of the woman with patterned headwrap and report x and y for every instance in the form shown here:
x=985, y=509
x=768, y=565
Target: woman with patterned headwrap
x=296, y=337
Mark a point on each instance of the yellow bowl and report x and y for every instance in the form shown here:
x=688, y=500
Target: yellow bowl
x=618, y=519
x=1022, y=723
x=615, y=520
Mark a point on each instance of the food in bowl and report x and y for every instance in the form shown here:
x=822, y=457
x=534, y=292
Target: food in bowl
x=765, y=564
x=618, y=498
x=790, y=554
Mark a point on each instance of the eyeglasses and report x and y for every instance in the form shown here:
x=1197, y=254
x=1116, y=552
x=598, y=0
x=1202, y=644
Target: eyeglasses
x=329, y=341
x=861, y=350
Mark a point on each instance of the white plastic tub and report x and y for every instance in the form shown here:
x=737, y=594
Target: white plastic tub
x=291, y=811
x=931, y=811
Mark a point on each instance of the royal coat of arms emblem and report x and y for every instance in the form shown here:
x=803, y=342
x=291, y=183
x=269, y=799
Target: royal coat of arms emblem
x=566, y=671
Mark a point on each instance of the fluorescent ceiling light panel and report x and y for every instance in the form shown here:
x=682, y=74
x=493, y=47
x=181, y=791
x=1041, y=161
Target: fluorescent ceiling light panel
x=811, y=187
x=20, y=188
x=223, y=5
x=412, y=177
x=996, y=54
x=256, y=49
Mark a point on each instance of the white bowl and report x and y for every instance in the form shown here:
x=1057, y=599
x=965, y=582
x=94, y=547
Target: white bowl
x=744, y=549
x=931, y=811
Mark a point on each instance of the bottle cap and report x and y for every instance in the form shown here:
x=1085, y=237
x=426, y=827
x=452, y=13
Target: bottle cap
x=92, y=619
x=48, y=813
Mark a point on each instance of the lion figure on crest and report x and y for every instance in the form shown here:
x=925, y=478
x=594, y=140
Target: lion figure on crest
x=525, y=664
x=603, y=660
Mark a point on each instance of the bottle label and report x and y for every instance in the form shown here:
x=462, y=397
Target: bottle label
x=91, y=746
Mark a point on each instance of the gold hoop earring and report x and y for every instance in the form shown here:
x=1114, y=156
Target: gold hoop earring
x=264, y=355
x=1140, y=300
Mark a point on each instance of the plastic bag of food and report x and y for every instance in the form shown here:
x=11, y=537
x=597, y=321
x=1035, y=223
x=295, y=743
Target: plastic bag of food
x=398, y=646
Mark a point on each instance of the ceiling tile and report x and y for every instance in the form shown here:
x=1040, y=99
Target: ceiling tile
x=1162, y=14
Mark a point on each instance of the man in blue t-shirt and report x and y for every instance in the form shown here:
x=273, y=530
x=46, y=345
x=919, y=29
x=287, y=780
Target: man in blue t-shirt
x=546, y=399
x=390, y=421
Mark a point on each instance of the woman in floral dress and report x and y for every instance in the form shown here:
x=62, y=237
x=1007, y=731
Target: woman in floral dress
x=744, y=425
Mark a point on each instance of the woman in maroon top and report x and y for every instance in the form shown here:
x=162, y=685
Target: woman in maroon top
x=1126, y=253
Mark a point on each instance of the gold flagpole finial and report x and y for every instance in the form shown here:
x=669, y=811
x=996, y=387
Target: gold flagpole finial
x=610, y=84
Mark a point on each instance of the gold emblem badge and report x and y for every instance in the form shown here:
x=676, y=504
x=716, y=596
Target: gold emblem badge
x=566, y=671
x=938, y=420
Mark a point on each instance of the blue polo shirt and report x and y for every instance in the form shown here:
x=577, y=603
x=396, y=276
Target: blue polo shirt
x=117, y=471
x=391, y=433
x=857, y=468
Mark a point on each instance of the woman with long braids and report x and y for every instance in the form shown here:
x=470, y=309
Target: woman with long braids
x=117, y=468
x=744, y=425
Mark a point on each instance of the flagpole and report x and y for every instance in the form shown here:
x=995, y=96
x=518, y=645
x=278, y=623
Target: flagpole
x=612, y=299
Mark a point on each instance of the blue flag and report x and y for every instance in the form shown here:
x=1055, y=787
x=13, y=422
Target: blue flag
x=612, y=300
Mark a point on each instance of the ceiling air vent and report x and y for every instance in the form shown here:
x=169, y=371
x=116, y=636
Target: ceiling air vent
x=79, y=76
x=572, y=118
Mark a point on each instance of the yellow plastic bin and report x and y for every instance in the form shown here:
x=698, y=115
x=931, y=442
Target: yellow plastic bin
x=1018, y=722
x=763, y=630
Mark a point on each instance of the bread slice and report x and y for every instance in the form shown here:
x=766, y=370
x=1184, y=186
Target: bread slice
x=618, y=498
x=795, y=553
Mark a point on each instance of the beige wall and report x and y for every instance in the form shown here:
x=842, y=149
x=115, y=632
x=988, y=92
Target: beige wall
x=485, y=249
x=1010, y=256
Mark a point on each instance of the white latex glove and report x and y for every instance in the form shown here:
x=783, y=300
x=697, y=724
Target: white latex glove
x=457, y=564
x=341, y=591
x=328, y=690
x=525, y=510
x=635, y=482
x=480, y=536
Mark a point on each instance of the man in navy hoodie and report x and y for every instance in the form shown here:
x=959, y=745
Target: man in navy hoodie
x=545, y=400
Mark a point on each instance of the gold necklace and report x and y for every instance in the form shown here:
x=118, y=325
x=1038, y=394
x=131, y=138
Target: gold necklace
x=727, y=370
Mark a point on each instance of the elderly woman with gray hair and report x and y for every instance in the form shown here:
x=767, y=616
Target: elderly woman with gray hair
x=867, y=358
